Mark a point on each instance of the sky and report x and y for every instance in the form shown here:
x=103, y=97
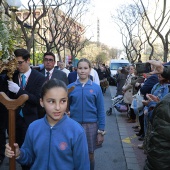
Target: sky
x=102, y=10
x=109, y=33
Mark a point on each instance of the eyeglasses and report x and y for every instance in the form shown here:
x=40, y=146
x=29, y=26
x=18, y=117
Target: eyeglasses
x=20, y=62
x=50, y=60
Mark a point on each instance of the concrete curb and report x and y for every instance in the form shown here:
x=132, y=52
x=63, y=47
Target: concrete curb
x=131, y=160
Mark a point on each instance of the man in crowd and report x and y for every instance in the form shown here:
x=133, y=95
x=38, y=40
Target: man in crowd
x=158, y=154
x=50, y=71
x=70, y=66
x=3, y=118
x=62, y=68
x=25, y=81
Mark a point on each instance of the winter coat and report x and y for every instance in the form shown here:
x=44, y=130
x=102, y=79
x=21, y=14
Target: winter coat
x=128, y=88
x=121, y=79
x=158, y=157
x=148, y=85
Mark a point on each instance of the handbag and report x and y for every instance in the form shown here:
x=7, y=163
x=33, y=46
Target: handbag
x=137, y=104
x=104, y=83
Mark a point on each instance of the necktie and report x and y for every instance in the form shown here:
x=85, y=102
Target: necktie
x=47, y=77
x=23, y=83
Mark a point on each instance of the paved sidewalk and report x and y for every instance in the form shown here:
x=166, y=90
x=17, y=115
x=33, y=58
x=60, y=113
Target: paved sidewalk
x=135, y=158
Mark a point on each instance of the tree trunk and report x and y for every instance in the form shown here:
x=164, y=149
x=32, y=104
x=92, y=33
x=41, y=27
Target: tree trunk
x=165, y=52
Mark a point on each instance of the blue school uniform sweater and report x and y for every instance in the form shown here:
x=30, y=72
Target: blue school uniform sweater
x=61, y=147
x=86, y=103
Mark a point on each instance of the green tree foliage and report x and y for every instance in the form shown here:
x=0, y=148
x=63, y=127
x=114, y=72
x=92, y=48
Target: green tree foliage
x=101, y=58
x=92, y=50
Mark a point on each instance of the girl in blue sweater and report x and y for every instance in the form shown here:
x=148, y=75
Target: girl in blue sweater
x=54, y=142
x=87, y=107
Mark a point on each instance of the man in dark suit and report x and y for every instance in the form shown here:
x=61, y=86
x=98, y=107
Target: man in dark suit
x=25, y=81
x=3, y=117
x=50, y=71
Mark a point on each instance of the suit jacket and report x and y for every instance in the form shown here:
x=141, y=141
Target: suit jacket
x=3, y=110
x=33, y=90
x=58, y=74
x=72, y=77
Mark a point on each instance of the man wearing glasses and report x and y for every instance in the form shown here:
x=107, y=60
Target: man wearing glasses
x=25, y=81
x=50, y=71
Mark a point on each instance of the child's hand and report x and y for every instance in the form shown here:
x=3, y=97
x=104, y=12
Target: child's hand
x=100, y=139
x=9, y=153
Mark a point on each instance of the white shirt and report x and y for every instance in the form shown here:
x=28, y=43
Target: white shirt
x=95, y=76
x=27, y=74
x=65, y=71
x=51, y=72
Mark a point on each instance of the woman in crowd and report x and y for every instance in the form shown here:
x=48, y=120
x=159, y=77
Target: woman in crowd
x=103, y=78
x=159, y=90
x=121, y=79
x=128, y=90
x=87, y=107
x=145, y=89
x=136, y=82
x=158, y=154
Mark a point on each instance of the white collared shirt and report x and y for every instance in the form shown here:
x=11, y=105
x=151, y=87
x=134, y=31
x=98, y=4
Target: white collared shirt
x=51, y=72
x=27, y=74
x=65, y=71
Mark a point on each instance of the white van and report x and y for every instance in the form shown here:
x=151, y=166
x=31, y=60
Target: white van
x=115, y=64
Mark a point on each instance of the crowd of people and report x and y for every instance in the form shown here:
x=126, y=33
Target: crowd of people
x=75, y=118
x=66, y=103
x=153, y=118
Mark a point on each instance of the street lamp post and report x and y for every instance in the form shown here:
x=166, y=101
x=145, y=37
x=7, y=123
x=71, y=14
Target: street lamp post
x=33, y=37
x=13, y=6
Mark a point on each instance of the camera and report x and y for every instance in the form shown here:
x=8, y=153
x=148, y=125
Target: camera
x=143, y=68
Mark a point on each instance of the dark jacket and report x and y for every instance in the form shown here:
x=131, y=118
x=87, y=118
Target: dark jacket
x=3, y=88
x=134, y=80
x=158, y=157
x=166, y=72
x=3, y=110
x=148, y=84
x=102, y=74
x=33, y=90
x=121, y=79
x=72, y=77
x=58, y=74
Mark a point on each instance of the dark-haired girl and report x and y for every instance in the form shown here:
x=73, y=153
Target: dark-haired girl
x=55, y=141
